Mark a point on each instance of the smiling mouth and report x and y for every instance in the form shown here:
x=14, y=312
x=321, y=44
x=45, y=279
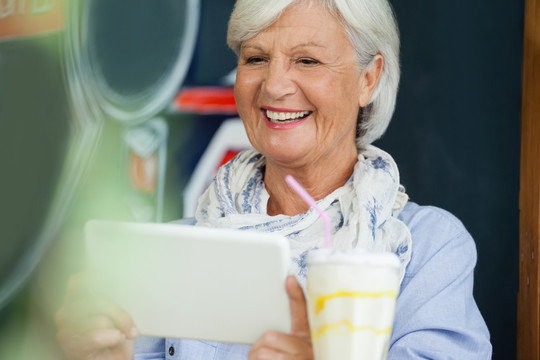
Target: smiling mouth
x=278, y=117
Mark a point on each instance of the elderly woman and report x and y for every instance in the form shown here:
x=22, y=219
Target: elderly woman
x=316, y=84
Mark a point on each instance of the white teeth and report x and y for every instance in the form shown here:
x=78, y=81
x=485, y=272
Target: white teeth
x=285, y=117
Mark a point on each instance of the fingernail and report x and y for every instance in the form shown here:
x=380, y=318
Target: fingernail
x=133, y=332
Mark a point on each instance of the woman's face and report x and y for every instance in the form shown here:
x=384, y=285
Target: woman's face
x=298, y=89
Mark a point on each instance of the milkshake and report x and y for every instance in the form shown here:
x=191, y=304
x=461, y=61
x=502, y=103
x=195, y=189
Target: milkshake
x=351, y=303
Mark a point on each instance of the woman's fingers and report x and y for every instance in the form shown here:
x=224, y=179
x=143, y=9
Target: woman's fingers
x=91, y=326
x=276, y=345
x=92, y=341
x=83, y=310
x=93, y=323
x=82, y=315
x=275, y=340
x=267, y=354
x=120, y=318
x=104, y=338
x=298, y=306
x=104, y=344
x=94, y=338
x=297, y=344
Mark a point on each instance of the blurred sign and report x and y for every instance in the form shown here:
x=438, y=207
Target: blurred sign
x=146, y=164
x=206, y=100
x=22, y=18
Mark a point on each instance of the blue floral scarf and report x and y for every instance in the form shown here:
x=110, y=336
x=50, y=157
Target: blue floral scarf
x=363, y=212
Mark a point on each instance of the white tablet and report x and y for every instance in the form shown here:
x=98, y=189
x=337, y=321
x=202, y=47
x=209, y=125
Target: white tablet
x=192, y=282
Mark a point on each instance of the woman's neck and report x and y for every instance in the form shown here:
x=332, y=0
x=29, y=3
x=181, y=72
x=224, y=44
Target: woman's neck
x=319, y=181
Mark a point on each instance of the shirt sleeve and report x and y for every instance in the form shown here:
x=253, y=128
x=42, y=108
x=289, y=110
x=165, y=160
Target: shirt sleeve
x=149, y=348
x=436, y=315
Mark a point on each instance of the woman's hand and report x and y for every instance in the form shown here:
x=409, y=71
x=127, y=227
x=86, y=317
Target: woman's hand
x=296, y=345
x=91, y=327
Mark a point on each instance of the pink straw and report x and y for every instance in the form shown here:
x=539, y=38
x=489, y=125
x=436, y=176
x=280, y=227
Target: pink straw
x=311, y=202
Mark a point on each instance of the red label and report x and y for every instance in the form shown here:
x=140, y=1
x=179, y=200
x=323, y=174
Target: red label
x=207, y=100
x=22, y=18
x=227, y=156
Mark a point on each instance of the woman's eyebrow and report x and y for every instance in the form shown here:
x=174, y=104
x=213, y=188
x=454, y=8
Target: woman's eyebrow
x=250, y=46
x=308, y=44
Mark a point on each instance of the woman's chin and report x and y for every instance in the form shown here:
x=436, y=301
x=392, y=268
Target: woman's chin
x=287, y=157
x=288, y=148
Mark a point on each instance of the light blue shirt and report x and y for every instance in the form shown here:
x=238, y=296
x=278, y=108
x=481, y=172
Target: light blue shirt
x=436, y=315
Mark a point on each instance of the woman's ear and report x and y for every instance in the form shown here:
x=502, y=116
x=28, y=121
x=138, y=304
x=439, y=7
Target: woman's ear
x=369, y=80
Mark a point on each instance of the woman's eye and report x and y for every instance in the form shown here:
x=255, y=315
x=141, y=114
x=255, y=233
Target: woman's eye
x=307, y=61
x=254, y=60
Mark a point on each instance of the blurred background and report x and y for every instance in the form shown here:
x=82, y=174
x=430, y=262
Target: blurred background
x=124, y=110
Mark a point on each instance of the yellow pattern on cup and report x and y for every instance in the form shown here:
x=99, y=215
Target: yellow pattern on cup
x=320, y=301
x=350, y=327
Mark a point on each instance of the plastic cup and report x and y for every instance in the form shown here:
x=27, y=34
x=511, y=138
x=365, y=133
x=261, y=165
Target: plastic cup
x=351, y=303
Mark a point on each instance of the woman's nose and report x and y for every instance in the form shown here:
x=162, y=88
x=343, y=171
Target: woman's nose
x=278, y=82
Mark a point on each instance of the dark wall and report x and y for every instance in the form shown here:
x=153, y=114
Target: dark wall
x=456, y=134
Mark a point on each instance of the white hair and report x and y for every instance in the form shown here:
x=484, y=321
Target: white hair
x=371, y=28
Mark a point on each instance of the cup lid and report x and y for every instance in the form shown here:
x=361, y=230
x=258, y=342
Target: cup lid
x=354, y=256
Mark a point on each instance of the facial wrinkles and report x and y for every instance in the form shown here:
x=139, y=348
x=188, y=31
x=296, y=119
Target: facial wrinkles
x=335, y=64
x=290, y=45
